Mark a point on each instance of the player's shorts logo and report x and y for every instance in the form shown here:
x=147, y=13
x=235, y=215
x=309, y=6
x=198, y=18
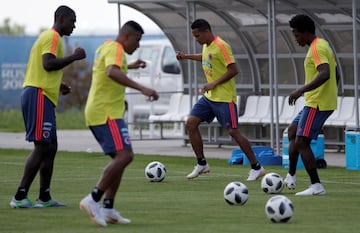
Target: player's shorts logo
x=127, y=140
x=46, y=134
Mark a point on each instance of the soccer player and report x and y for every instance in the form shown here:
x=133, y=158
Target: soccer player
x=320, y=92
x=39, y=98
x=219, y=99
x=104, y=112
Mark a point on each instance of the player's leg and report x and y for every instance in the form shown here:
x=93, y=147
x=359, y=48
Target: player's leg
x=110, y=182
x=293, y=152
x=200, y=112
x=115, y=142
x=256, y=170
x=310, y=125
x=290, y=179
x=46, y=172
x=227, y=116
x=46, y=147
x=32, y=108
x=31, y=168
x=192, y=126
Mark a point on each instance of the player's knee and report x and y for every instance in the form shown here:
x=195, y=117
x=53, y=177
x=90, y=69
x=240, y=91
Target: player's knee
x=123, y=156
x=46, y=148
x=53, y=147
x=302, y=142
x=234, y=132
x=292, y=132
x=191, y=123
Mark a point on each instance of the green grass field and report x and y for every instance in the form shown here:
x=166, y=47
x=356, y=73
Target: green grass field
x=175, y=205
x=12, y=120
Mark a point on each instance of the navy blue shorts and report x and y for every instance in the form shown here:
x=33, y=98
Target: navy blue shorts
x=112, y=136
x=310, y=122
x=39, y=115
x=225, y=113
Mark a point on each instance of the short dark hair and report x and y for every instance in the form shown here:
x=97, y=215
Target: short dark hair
x=63, y=11
x=132, y=26
x=201, y=25
x=302, y=23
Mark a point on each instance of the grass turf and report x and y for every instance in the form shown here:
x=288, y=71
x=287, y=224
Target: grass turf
x=176, y=204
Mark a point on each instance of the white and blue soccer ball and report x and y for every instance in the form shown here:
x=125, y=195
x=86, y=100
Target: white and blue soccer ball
x=279, y=209
x=155, y=171
x=236, y=193
x=272, y=183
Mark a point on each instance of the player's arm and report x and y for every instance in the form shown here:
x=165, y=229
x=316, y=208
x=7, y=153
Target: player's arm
x=137, y=64
x=51, y=62
x=181, y=56
x=118, y=76
x=229, y=74
x=337, y=75
x=322, y=76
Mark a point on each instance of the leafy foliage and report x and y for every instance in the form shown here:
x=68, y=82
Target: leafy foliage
x=9, y=29
x=77, y=75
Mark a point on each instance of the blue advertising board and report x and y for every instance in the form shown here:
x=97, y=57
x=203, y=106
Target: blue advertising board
x=14, y=53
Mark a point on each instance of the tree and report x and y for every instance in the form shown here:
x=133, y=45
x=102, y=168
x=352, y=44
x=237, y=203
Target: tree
x=78, y=76
x=6, y=28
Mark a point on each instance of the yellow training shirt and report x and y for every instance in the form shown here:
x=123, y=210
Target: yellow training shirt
x=325, y=96
x=48, y=41
x=106, y=98
x=215, y=59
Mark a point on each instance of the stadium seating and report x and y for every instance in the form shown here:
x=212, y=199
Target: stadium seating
x=266, y=119
x=179, y=107
x=257, y=112
x=345, y=111
x=184, y=110
x=250, y=109
x=336, y=112
x=289, y=112
x=351, y=122
x=174, y=108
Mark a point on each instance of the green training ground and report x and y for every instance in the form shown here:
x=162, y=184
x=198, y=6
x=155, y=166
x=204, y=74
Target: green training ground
x=176, y=204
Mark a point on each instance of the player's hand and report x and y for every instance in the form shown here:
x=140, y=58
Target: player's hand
x=180, y=55
x=79, y=53
x=294, y=96
x=65, y=89
x=152, y=94
x=207, y=87
x=137, y=64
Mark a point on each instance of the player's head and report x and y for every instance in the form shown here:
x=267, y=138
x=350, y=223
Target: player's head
x=130, y=36
x=64, y=20
x=201, y=30
x=303, y=28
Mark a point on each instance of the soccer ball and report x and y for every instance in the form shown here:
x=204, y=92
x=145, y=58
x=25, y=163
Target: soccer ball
x=279, y=208
x=272, y=183
x=155, y=171
x=236, y=193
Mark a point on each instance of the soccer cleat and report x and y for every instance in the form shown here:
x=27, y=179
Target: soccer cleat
x=314, y=189
x=198, y=169
x=93, y=209
x=290, y=181
x=50, y=203
x=256, y=174
x=24, y=203
x=113, y=216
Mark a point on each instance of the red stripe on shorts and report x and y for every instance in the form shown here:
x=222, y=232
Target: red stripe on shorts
x=39, y=115
x=233, y=116
x=114, y=129
x=309, y=122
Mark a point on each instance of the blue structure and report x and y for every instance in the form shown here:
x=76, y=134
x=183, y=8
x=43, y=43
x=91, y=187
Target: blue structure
x=14, y=56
